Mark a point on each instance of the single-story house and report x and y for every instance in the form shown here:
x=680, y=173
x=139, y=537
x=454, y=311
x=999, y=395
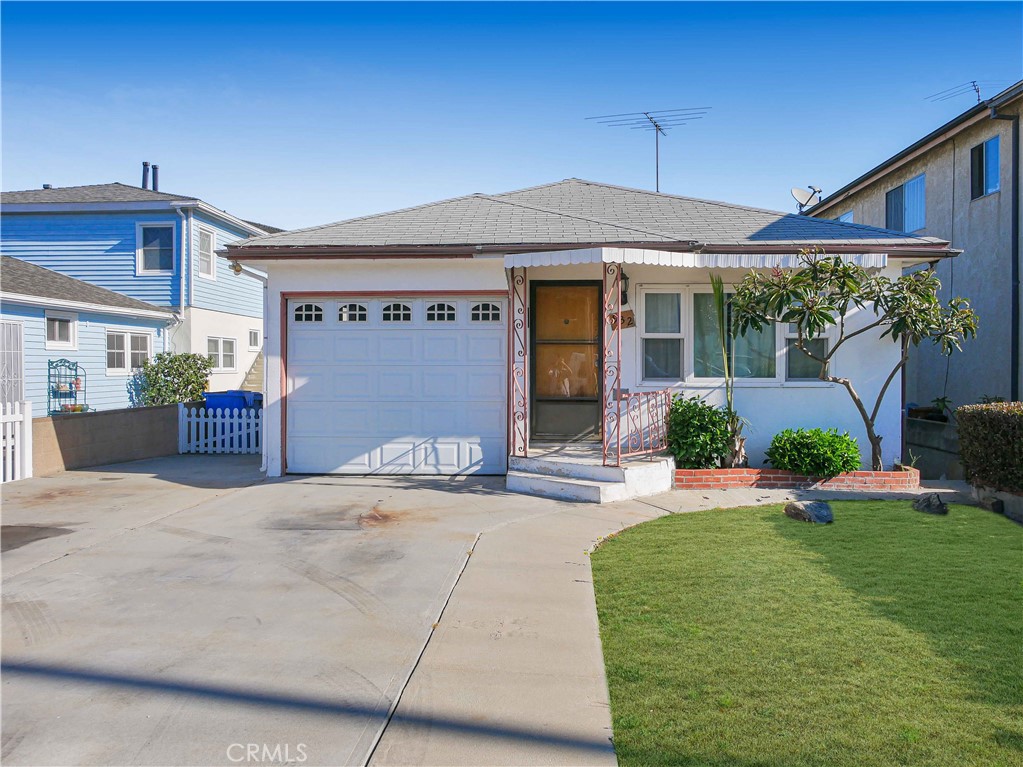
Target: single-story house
x=450, y=337
x=46, y=317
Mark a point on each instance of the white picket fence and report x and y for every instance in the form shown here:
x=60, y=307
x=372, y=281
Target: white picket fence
x=15, y=441
x=236, y=430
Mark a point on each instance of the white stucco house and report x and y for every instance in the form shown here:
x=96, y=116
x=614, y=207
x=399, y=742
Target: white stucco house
x=504, y=333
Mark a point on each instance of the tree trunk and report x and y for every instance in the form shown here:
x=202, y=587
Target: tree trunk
x=876, y=461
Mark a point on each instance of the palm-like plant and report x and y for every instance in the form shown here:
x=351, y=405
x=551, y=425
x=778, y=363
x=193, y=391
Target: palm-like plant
x=737, y=443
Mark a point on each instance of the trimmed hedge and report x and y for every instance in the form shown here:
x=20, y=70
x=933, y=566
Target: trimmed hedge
x=991, y=444
x=697, y=433
x=814, y=452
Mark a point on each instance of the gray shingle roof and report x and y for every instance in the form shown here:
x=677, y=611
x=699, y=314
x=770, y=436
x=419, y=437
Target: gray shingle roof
x=25, y=279
x=581, y=212
x=115, y=192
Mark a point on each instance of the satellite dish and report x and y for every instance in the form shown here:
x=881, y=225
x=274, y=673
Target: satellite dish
x=806, y=197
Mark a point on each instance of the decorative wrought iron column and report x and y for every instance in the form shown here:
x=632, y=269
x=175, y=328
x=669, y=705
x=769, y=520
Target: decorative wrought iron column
x=611, y=431
x=518, y=389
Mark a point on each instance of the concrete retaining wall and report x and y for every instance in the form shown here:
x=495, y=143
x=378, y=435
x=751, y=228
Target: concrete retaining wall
x=709, y=479
x=79, y=440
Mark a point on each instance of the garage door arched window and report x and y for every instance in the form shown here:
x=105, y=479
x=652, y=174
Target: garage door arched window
x=397, y=313
x=485, y=313
x=308, y=313
x=352, y=313
x=440, y=313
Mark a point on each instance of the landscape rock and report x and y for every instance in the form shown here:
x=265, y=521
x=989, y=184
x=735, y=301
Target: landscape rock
x=930, y=504
x=818, y=512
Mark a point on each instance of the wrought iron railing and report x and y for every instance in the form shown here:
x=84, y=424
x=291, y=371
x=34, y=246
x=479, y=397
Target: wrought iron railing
x=642, y=425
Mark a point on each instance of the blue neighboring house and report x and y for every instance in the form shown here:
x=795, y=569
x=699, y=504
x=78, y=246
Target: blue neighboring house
x=46, y=316
x=155, y=247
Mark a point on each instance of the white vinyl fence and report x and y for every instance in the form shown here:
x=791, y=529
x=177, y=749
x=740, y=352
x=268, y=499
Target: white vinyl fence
x=237, y=430
x=15, y=441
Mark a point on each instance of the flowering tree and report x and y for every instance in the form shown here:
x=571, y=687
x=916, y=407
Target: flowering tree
x=826, y=290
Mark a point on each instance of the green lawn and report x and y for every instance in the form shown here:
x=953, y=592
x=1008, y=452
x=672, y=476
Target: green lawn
x=745, y=638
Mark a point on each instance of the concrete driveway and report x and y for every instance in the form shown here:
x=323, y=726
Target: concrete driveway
x=183, y=611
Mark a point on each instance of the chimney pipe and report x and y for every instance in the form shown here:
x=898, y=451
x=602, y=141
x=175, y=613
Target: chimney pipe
x=145, y=175
x=156, y=178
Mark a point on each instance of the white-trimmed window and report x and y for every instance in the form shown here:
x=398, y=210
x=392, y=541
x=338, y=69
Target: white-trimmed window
x=254, y=340
x=308, y=313
x=753, y=355
x=221, y=352
x=154, y=248
x=984, y=176
x=661, y=337
x=207, y=259
x=846, y=218
x=61, y=331
x=485, y=312
x=127, y=351
x=352, y=313
x=440, y=313
x=906, y=206
x=798, y=366
x=397, y=313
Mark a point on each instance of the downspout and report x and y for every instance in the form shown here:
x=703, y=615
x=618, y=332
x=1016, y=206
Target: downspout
x=1015, y=298
x=186, y=242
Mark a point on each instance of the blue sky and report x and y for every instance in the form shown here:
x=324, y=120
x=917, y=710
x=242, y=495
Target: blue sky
x=300, y=114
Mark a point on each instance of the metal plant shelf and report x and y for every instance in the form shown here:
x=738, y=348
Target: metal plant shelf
x=66, y=388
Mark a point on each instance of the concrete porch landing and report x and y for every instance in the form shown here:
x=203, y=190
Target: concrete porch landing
x=575, y=472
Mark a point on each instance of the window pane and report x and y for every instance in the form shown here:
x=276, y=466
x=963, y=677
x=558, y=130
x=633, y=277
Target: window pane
x=894, y=202
x=662, y=358
x=227, y=353
x=915, y=206
x=253, y=339
x=977, y=172
x=991, y=166
x=205, y=252
x=139, y=349
x=213, y=351
x=157, y=248
x=58, y=330
x=846, y=218
x=754, y=355
x=707, y=362
x=663, y=313
x=115, y=351
x=799, y=365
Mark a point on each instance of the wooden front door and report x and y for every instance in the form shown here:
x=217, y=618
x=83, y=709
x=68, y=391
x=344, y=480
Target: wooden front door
x=566, y=350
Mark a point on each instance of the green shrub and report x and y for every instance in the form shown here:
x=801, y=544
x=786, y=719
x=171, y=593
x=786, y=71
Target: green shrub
x=814, y=452
x=170, y=378
x=991, y=444
x=697, y=433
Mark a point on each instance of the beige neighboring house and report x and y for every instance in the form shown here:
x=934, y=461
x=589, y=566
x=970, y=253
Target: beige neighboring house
x=960, y=184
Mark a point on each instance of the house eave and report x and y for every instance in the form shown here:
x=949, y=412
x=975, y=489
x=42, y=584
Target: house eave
x=83, y=306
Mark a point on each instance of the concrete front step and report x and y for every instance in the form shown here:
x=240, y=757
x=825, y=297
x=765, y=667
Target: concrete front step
x=589, y=482
x=565, y=488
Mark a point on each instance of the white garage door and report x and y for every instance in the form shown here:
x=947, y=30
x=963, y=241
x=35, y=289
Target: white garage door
x=396, y=385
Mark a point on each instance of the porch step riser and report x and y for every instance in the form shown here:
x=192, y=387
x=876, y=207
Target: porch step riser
x=565, y=489
x=555, y=468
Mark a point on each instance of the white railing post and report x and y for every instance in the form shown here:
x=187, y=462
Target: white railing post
x=26, y=440
x=182, y=426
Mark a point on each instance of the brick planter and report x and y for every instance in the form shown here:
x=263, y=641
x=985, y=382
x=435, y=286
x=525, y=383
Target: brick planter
x=722, y=479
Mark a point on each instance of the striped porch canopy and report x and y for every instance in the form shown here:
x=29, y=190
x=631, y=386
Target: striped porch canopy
x=669, y=258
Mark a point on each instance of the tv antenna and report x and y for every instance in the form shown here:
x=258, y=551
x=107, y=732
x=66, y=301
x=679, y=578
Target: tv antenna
x=659, y=122
x=804, y=198
x=960, y=90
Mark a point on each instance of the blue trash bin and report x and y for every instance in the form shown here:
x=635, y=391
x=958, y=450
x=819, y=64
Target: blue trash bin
x=225, y=400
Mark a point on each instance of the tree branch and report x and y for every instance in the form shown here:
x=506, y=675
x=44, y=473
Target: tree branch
x=891, y=377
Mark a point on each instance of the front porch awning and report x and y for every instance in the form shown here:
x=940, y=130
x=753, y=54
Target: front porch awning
x=683, y=259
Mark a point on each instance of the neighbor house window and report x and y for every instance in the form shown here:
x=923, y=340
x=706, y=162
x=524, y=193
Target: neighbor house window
x=127, y=351
x=352, y=313
x=207, y=266
x=798, y=366
x=61, y=330
x=752, y=355
x=485, y=313
x=440, y=313
x=221, y=353
x=905, y=206
x=984, y=168
x=846, y=218
x=253, y=340
x=397, y=313
x=155, y=248
x=661, y=336
x=309, y=313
